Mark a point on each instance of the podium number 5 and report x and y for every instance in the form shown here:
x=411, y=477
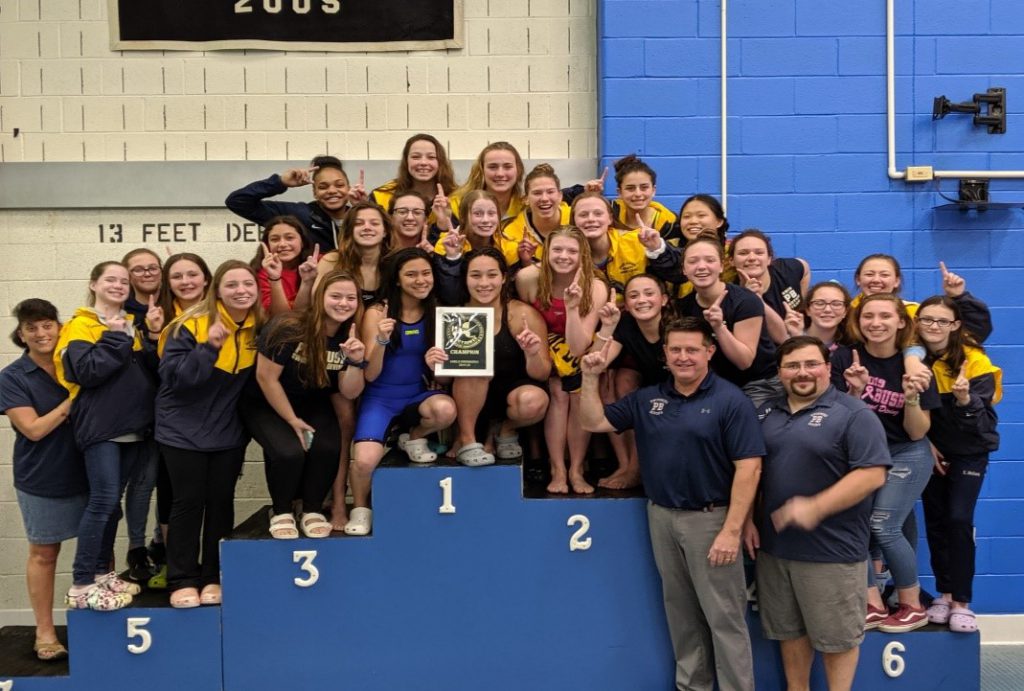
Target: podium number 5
x=135, y=630
x=892, y=663
x=576, y=542
x=306, y=558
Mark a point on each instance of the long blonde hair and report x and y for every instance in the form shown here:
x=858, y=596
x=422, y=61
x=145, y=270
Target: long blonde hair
x=476, y=181
x=586, y=263
x=208, y=305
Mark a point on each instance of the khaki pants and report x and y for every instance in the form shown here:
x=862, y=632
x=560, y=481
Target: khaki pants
x=705, y=606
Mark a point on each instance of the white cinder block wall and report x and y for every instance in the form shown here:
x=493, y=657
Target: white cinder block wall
x=526, y=75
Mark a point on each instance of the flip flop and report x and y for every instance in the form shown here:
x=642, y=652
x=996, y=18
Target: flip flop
x=473, y=455
x=48, y=652
x=938, y=612
x=962, y=620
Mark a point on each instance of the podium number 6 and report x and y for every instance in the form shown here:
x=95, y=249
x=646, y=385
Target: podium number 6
x=306, y=557
x=135, y=630
x=893, y=664
x=576, y=542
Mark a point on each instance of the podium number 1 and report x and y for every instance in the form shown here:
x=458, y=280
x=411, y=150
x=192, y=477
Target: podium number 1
x=446, y=496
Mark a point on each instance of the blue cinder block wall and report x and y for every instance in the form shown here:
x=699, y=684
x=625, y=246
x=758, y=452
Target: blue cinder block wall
x=807, y=162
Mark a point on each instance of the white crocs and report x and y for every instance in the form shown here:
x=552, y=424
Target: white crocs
x=360, y=521
x=417, y=449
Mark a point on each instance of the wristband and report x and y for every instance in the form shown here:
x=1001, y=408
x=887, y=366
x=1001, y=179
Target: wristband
x=912, y=400
x=382, y=341
x=362, y=364
x=914, y=351
x=273, y=280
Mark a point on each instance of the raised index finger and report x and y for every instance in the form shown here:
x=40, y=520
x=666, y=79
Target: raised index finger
x=945, y=271
x=579, y=275
x=963, y=370
x=360, y=177
x=611, y=298
x=316, y=252
x=352, y=331
x=604, y=174
x=856, y=358
x=440, y=190
x=150, y=301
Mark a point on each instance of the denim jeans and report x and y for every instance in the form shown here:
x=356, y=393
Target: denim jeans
x=911, y=468
x=139, y=493
x=107, y=466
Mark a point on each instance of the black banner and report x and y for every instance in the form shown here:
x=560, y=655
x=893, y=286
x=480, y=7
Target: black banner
x=286, y=24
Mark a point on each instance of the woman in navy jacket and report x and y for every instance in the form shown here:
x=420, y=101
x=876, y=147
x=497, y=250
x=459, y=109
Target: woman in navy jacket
x=206, y=361
x=107, y=365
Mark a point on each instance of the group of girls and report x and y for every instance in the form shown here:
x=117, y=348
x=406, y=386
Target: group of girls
x=320, y=349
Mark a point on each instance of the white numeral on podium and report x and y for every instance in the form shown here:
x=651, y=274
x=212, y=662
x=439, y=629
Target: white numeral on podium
x=135, y=630
x=576, y=542
x=893, y=664
x=306, y=556
x=446, y=496
x=6, y=685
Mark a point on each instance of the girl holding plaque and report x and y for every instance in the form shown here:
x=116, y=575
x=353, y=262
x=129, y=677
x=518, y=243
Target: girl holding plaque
x=566, y=291
x=516, y=395
x=399, y=360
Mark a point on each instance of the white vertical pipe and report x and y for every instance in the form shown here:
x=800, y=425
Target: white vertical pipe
x=725, y=111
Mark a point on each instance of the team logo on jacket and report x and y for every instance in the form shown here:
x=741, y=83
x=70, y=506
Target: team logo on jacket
x=658, y=406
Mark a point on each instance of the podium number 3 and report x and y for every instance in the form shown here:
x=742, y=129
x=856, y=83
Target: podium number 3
x=304, y=558
x=892, y=663
x=576, y=541
x=135, y=630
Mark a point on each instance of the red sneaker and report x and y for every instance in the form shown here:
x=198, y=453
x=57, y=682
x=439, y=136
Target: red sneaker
x=905, y=619
x=875, y=617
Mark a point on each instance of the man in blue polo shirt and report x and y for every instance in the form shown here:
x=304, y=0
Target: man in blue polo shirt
x=700, y=449
x=827, y=454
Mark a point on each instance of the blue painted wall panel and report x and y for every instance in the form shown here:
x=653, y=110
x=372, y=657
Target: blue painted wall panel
x=808, y=164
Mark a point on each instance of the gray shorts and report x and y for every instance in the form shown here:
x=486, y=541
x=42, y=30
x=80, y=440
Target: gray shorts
x=825, y=602
x=50, y=520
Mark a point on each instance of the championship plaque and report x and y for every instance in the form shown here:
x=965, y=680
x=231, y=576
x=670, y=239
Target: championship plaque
x=466, y=335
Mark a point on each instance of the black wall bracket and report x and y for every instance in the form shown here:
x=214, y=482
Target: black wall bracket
x=993, y=101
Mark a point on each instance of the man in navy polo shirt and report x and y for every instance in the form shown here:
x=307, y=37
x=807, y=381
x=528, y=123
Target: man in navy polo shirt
x=700, y=451
x=827, y=454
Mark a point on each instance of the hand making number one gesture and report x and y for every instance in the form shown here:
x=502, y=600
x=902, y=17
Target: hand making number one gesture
x=713, y=315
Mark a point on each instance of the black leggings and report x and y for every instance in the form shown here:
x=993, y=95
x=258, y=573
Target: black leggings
x=204, y=503
x=164, y=492
x=949, y=502
x=291, y=472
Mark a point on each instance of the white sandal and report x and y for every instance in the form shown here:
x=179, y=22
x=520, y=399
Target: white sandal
x=417, y=449
x=360, y=521
x=315, y=525
x=282, y=527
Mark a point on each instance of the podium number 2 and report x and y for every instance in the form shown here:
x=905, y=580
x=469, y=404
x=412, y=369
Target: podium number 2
x=892, y=663
x=135, y=630
x=576, y=541
x=306, y=558
x=446, y=496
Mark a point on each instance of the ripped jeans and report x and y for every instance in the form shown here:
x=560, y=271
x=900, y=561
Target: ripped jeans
x=912, y=464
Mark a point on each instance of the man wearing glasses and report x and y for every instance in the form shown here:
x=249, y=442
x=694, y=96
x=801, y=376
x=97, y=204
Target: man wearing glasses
x=826, y=456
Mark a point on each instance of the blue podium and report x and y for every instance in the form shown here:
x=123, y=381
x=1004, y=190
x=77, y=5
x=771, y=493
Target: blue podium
x=463, y=585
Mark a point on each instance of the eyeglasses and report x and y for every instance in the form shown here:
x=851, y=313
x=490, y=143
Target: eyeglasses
x=403, y=211
x=141, y=270
x=794, y=367
x=941, y=323
x=822, y=304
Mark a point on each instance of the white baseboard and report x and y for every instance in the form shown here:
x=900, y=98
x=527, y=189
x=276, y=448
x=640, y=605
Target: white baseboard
x=1001, y=629
x=996, y=629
